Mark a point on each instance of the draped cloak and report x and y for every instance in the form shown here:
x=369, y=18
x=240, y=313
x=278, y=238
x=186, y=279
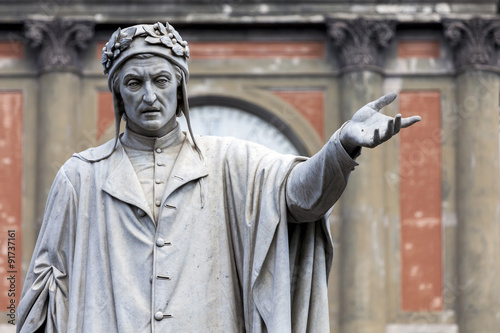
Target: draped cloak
x=225, y=255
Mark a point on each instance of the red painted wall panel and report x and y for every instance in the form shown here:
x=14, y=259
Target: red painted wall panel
x=257, y=50
x=420, y=195
x=11, y=50
x=419, y=49
x=11, y=150
x=249, y=49
x=105, y=112
x=311, y=104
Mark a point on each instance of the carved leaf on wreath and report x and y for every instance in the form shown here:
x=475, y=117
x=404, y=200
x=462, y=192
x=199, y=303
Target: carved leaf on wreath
x=129, y=32
x=104, y=57
x=125, y=42
x=111, y=43
x=126, y=38
x=167, y=42
x=177, y=36
x=153, y=40
x=178, y=50
x=169, y=27
x=150, y=31
x=106, y=52
x=162, y=29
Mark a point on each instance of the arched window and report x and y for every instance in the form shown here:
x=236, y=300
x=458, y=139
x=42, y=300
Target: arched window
x=223, y=116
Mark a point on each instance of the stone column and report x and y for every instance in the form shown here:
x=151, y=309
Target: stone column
x=363, y=233
x=478, y=174
x=58, y=45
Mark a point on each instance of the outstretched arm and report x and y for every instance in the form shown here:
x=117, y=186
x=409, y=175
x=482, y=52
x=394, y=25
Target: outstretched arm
x=316, y=184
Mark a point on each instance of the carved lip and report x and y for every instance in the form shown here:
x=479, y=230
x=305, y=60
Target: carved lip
x=150, y=110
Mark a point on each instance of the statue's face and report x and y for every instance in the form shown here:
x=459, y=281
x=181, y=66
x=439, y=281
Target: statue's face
x=148, y=88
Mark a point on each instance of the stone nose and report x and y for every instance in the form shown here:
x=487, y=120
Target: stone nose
x=149, y=95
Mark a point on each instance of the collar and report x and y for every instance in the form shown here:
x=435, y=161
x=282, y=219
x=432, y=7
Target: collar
x=123, y=184
x=131, y=139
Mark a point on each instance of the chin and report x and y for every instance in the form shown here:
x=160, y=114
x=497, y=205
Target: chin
x=152, y=126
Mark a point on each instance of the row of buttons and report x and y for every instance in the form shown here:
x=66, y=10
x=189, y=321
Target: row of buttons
x=160, y=242
x=159, y=175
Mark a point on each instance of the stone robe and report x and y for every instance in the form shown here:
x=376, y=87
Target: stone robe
x=225, y=255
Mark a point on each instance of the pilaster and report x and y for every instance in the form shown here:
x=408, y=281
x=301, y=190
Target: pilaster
x=362, y=289
x=58, y=45
x=475, y=44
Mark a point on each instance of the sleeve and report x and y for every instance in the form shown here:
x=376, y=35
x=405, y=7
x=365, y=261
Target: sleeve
x=284, y=266
x=290, y=261
x=43, y=304
x=316, y=184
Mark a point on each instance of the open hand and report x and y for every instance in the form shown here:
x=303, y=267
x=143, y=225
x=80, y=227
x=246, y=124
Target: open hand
x=369, y=128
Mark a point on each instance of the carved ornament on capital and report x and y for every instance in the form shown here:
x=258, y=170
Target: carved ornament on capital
x=361, y=41
x=59, y=42
x=474, y=41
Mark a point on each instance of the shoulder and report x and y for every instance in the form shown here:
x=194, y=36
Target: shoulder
x=87, y=159
x=83, y=166
x=241, y=155
x=230, y=146
x=96, y=153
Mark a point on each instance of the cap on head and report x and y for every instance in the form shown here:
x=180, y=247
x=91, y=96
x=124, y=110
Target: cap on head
x=158, y=39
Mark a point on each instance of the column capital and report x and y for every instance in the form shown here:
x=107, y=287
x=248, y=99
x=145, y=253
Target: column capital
x=474, y=42
x=360, y=41
x=59, y=42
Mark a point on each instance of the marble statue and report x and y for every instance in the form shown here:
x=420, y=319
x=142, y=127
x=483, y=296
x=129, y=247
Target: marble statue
x=163, y=231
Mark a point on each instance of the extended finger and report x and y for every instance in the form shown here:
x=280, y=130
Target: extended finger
x=397, y=124
x=382, y=101
x=376, y=138
x=405, y=122
x=389, y=132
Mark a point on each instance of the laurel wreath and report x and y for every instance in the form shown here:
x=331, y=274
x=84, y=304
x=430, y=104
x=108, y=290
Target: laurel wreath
x=157, y=34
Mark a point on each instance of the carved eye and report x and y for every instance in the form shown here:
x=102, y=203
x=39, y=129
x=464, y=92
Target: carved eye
x=162, y=81
x=133, y=84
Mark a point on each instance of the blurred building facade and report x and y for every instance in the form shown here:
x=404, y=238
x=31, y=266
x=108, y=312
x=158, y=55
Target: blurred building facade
x=416, y=231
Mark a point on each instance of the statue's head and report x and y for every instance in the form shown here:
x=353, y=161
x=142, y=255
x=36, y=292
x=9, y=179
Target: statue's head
x=147, y=92
x=158, y=39
x=147, y=71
